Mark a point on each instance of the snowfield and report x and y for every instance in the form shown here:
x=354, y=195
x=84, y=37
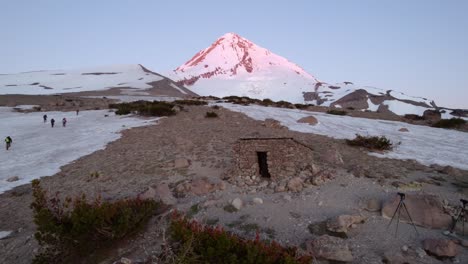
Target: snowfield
x=39, y=150
x=426, y=145
x=90, y=79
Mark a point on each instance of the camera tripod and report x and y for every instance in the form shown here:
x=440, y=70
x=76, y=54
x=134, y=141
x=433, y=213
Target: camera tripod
x=401, y=204
x=460, y=216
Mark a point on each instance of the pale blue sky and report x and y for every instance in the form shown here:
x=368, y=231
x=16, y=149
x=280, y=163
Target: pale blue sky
x=419, y=47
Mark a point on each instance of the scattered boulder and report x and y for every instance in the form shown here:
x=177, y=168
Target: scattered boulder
x=333, y=156
x=181, y=163
x=295, y=184
x=280, y=188
x=308, y=120
x=257, y=200
x=161, y=193
x=441, y=247
x=329, y=248
x=322, y=177
x=272, y=123
x=199, y=186
x=432, y=115
x=237, y=203
x=373, y=205
x=403, y=129
x=13, y=179
x=360, y=171
x=425, y=210
x=342, y=223
x=124, y=261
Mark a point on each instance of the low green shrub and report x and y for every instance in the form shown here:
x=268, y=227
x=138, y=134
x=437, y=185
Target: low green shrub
x=267, y=102
x=336, y=112
x=211, y=114
x=450, y=123
x=215, y=107
x=190, y=102
x=413, y=117
x=197, y=243
x=75, y=228
x=284, y=104
x=145, y=108
x=301, y=106
x=371, y=142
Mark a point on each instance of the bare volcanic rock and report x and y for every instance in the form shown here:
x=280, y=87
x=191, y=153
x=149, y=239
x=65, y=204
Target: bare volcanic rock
x=342, y=223
x=432, y=115
x=199, y=186
x=161, y=192
x=329, y=248
x=403, y=129
x=308, y=120
x=441, y=247
x=425, y=210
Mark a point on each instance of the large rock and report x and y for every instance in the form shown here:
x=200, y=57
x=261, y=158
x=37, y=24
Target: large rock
x=272, y=123
x=441, y=247
x=308, y=120
x=322, y=177
x=425, y=210
x=13, y=179
x=295, y=184
x=237, y=203
x=342, y=223
x=432, y=115
x=181, y=163
x=329, y=248
x=199, y=186
x=333, y=156
x=161, y=193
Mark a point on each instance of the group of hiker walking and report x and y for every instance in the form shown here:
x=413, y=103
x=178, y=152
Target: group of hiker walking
x=8, y=139
x=52, y=121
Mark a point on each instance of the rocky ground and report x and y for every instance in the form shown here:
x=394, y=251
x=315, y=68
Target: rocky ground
x=186, y=161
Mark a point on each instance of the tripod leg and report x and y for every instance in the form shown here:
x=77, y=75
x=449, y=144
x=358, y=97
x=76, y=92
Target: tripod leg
x=406, y=209
x=393, y=216
x=398, y=220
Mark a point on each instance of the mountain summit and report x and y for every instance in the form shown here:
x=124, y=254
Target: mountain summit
x=232, y=55
x=233, y=65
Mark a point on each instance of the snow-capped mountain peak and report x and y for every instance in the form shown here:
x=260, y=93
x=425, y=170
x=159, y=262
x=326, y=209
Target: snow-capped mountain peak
x=232, y=55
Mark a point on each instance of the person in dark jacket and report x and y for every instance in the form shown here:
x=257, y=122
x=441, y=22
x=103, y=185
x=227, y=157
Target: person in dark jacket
x=45, y=118
x=52, y=122
x=64, y=122
x=8, y=142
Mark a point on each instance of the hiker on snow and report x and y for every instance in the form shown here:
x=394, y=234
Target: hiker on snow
x=8, y=142
x=52, y=122
x=77, y=111
x=64, y=122
x=45, y=118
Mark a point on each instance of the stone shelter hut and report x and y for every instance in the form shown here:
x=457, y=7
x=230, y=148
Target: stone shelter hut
x=271, y=158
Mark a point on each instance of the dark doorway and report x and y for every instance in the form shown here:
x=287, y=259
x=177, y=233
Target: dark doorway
x=263, y=164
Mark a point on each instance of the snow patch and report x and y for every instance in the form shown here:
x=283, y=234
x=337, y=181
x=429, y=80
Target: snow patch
x=39, y=150
x=402, y=108
x=371, y=106
x=4, y=234
x=91, y=79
